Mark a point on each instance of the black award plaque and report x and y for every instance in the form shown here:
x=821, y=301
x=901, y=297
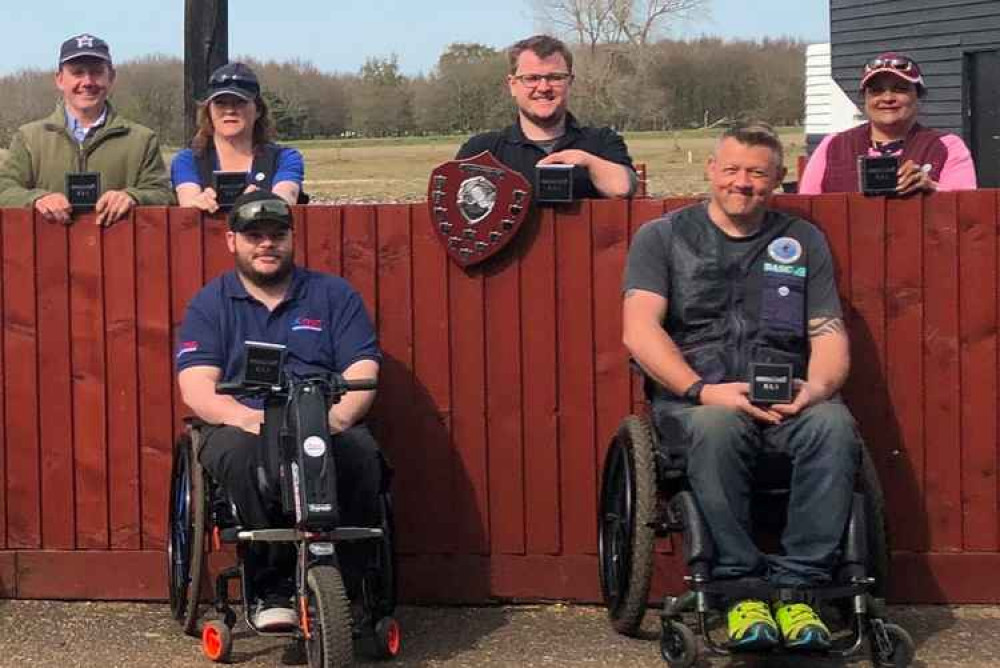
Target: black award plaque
x=554, y=184
x=770, y=383
x=878, y=175
x=264, y=364
x=83, y=189
x=228, y=186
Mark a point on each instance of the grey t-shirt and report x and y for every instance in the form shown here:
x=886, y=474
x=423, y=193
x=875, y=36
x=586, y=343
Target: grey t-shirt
x=648, y=265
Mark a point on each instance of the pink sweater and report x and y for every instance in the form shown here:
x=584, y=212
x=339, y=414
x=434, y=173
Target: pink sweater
x=958, y=172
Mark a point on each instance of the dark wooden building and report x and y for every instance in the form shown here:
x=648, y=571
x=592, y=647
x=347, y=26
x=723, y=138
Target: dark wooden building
x=956, y=42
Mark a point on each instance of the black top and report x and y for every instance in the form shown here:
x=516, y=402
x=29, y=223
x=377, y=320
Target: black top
x=513, y=149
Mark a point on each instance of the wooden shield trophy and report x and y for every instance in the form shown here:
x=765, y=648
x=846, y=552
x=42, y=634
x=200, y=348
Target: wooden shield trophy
x=477, y=205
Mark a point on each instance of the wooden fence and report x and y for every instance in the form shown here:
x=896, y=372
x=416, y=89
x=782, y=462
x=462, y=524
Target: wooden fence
x=501, y=389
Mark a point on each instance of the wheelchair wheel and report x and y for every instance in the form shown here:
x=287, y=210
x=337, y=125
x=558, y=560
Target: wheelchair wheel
x=877, y=561
x=186, y=531
x=380, y=581
x=900, y=652
x=217, y=641
x=329, y=640
x=625, y=531
x=678, y=645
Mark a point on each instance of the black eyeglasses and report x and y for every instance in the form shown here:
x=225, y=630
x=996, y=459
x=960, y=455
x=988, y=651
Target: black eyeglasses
x=554, y=79
x=899, y=64
x=260, y=211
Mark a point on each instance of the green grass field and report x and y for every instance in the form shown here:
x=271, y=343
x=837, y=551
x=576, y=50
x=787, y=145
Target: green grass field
x=375, y=170
x=396, y=170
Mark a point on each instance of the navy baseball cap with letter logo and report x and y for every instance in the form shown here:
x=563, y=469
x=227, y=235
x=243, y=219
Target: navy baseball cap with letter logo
x=84, y=46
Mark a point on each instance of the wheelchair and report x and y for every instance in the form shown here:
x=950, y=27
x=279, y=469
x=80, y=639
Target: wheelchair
x=645, y=496
x=296, y=439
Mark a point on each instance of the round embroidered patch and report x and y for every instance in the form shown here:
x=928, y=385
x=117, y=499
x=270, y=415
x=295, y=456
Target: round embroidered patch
x=785, y=250
x=783, y=291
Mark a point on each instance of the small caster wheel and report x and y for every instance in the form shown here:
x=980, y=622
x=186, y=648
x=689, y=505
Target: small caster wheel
x=901, y=650
x=678, y=645
x=217, y=641
x=388, y=638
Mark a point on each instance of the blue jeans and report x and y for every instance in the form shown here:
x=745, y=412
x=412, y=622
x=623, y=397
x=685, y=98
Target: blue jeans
x=724, y=445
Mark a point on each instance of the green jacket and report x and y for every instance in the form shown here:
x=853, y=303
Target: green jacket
x=126, y=154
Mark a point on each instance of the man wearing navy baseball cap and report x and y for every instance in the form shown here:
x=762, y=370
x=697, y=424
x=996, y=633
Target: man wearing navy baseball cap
x=929, y=160
x=324, y=324
x=84, y=156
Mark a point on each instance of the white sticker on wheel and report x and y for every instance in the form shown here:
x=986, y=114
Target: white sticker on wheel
x=314, y=446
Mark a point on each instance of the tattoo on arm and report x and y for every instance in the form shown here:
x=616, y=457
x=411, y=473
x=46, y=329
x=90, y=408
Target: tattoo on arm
x=824, y=326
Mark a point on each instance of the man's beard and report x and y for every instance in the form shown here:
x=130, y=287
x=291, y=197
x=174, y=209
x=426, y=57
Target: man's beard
x=262, y=280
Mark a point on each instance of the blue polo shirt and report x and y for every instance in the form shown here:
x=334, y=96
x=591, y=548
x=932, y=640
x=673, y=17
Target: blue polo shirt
x=322, y=321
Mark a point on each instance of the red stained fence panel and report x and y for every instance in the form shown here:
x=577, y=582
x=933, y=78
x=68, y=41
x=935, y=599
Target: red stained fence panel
x=502, y=387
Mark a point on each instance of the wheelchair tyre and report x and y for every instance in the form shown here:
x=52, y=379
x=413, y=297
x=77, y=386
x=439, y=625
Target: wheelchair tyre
x=903, y=648
x=186, y=532
x=678, y=645
x=877, y=565
x=625, y=532
x=381, y=579
x=329, y=640
x=217, y=641
x=388, y=638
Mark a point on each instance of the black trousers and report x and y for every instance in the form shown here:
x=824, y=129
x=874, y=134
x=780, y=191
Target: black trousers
x=230, y=455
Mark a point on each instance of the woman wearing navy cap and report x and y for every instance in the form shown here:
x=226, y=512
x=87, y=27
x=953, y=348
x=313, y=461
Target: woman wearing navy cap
x=234, y=135
x=929, y=159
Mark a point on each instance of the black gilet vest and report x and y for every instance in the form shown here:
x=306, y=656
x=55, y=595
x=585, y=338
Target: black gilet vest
x=265, y=164
x=724, y=313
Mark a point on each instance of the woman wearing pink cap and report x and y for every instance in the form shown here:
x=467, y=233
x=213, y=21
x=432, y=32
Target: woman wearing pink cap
x=930, y=160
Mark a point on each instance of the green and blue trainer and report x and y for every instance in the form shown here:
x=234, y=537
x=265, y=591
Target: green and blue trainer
x=801, y=628
x=751, y=627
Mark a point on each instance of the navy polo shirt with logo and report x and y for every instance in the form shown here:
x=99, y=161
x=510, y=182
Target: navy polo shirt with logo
x=322, y=321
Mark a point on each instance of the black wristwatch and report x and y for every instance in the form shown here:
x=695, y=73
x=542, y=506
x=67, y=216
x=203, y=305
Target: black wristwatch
x=693, y=393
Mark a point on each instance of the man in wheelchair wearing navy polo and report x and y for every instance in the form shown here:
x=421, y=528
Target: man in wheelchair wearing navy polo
x=323, y=324
x=709, y=291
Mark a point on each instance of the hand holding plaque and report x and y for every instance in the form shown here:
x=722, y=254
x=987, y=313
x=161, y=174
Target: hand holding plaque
x=554, y=183
x=83, y=189
x=878, y=175
x=228, y=186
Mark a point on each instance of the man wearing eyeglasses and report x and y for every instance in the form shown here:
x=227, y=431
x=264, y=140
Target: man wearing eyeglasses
x=84, y=135
x=324, y=325
x=930, y=160
x=546, y=133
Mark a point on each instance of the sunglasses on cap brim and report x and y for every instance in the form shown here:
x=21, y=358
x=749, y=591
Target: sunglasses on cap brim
x=270, y=210
x=233, y=81
x=904, y=65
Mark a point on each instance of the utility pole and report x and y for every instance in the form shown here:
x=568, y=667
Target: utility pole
x=206, y=47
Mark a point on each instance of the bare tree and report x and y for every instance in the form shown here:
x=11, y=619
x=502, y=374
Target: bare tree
x=593, y=22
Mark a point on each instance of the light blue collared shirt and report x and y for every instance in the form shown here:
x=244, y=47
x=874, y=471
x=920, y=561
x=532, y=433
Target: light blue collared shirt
x=78, y=131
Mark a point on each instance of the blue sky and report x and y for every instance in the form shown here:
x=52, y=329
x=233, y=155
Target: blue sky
x=337, y=35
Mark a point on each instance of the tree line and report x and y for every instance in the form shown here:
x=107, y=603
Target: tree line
x=664, y=85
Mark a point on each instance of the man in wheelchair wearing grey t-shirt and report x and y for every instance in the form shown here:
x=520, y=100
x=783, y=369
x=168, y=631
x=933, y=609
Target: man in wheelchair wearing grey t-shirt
x=710, y=289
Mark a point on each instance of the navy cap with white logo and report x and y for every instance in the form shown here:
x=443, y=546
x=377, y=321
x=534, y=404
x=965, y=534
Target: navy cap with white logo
x=84, y=46
x=233, y=79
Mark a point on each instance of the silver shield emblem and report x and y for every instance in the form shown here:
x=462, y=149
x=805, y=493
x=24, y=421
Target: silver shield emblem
x=476, y=198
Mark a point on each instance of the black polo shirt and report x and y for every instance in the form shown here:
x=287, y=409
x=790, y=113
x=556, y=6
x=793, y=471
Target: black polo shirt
x=513, y=149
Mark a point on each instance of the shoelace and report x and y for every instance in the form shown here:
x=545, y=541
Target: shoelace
x=800, y=614
x=751, y=609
